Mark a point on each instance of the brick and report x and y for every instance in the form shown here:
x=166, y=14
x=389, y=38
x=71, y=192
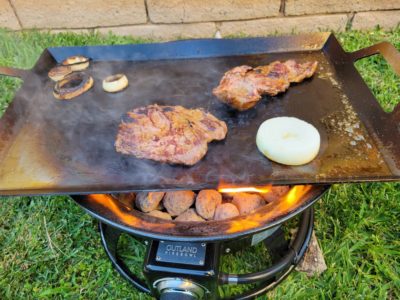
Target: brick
x=7, y=16
x=304, y=7
x=182, y=11
x=165, y=31
x=385, y=19
x=77, y=31
x=285, y=25
x=79, y=14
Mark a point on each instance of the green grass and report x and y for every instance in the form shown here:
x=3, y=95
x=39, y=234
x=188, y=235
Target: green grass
x=50, y=249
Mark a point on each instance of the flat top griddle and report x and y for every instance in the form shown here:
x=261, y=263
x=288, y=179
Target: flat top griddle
x=54, y=147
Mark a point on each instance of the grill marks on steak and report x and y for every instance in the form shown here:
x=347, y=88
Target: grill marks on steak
x=171, y=134
x=243, y=86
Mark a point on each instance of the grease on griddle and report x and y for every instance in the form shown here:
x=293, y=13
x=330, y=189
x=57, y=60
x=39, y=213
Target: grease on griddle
x=344, y=127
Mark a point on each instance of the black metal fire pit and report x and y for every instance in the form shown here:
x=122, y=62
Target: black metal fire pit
x=190, y=270
x=182, y=258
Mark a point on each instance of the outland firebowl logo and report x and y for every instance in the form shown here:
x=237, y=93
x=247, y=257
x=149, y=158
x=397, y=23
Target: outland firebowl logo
x=181, y=253
x=178, y=250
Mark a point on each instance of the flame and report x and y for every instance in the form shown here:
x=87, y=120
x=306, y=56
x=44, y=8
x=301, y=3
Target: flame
x=128, y=218
x=296, y=193
x=287, y=203
x=251, y=189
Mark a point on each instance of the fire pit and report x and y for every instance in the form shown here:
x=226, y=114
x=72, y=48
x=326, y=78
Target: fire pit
x=182, y=260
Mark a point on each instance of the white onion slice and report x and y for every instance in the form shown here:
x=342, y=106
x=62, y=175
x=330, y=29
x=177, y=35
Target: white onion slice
x=288, y=140
x=115, y=83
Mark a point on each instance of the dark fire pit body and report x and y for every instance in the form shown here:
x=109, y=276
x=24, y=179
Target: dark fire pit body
x=190, y=270
x=182, y=260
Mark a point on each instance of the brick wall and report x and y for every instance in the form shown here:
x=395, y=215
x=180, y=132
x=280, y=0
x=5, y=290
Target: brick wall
x=171, y=19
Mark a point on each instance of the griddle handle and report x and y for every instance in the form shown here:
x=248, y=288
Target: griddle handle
x=14, y=72
x=388, y=51
x=392, y=57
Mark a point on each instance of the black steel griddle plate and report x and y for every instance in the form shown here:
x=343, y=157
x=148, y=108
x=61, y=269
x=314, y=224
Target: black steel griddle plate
x=54, y=147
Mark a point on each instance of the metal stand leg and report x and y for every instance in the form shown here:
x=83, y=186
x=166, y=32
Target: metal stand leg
x=285, y=259
x=109, y=239
x=282, y=268
x=277, y=245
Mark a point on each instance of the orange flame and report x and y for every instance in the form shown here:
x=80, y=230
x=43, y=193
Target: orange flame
x=295, y=194
x=252, y=189
x=128, y=218
x=287, y=203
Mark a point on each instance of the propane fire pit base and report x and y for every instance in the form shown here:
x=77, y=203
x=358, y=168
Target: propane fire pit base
x=190, y=270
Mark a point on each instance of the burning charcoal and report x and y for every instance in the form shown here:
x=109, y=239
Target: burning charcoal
x=147, y=202
x=128, y=199
x=246, y=202
x=189, y=216
x=226, y=211
x=275, y=193
x=178, y=201
x=206, y=202
x=160, y=214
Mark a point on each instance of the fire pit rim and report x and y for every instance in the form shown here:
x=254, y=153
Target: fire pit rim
x=317, y=191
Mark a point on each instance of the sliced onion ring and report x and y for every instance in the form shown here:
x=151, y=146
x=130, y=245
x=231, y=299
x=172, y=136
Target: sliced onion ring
x=72, y=86
x=59, y=72
x=76, y=62
x=288, y=140
x=115, y=83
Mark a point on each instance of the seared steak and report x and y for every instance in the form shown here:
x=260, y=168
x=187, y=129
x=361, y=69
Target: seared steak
x=243, y=86
x=171, y=134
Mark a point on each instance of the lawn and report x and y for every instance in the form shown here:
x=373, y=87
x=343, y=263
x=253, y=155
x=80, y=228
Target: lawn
x=50, y=249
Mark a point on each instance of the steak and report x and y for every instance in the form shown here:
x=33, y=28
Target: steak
x=171, y=134
x=243, y=86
